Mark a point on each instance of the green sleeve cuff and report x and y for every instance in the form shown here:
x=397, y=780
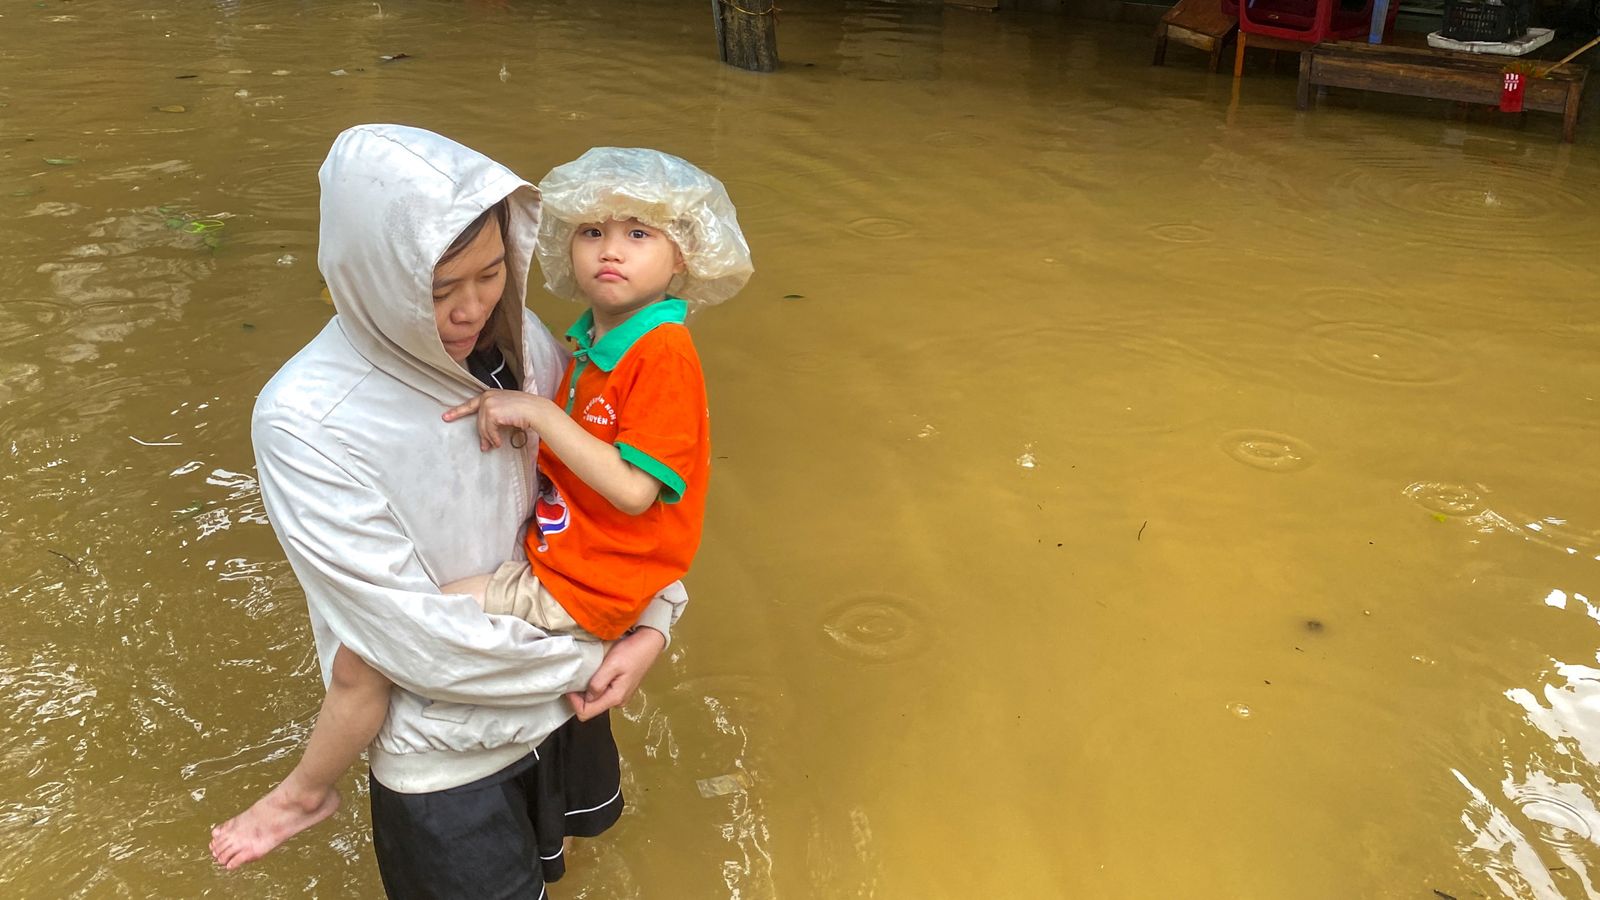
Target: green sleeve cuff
x=671, y=485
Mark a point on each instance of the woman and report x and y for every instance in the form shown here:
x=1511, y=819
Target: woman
x=480, y=769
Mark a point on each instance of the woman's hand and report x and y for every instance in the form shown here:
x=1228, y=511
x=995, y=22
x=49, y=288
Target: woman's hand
x=501, y=409
x=619, y=674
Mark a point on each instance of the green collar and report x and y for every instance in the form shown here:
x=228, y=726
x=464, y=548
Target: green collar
x=608, y=351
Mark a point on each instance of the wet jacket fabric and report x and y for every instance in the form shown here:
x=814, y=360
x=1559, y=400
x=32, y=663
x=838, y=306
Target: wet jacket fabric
x=377, y=501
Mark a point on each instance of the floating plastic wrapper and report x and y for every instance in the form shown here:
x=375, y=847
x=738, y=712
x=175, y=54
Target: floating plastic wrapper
x=661, y=191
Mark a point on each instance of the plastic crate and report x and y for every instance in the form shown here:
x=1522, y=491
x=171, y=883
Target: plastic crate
x=1485, y=20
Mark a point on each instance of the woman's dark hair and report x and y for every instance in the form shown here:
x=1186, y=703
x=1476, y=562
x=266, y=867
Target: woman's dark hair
x=500, y=212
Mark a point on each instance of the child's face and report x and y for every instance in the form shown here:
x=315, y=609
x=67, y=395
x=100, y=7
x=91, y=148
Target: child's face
x=622, y=265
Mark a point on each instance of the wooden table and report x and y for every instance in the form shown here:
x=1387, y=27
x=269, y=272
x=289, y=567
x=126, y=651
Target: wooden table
x=1439, y=75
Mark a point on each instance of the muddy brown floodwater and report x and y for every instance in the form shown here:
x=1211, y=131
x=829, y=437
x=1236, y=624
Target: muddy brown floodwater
x=1123, y=490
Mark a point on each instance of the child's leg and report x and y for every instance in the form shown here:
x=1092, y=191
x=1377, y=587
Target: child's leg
x=512, y=590
x=477, y=586
x=352, y=713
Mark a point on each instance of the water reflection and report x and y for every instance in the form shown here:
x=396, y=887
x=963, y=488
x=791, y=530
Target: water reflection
x=1543, y=840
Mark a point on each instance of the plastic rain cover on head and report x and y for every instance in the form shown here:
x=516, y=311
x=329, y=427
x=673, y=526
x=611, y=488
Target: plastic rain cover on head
x=661, y=191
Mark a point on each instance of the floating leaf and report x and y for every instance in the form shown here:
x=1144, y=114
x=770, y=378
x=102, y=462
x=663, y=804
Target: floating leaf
x=181, y=77
x=61, y=160
x=395, y=57
x=174, y=223
x=172, y=108
x=1440, y=517
x=248, y=326
x=794, y=296
x=200, y=226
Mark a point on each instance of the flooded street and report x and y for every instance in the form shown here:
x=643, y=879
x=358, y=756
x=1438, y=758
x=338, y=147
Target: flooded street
x=1124, y=489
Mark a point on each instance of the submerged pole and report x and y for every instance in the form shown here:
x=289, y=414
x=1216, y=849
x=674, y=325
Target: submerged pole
x=747, y=33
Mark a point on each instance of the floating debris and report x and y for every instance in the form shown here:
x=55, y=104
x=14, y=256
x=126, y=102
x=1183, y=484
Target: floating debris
x=338, y=72
x=723, y=785
x=286, y=260
x=164, y=442
x=1027, y=460
x=172, y=108
x=396, y=57
x=505, y=73
x=61, y=160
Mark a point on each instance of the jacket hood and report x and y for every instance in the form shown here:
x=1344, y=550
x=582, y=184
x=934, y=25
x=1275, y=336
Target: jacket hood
x=393, y=199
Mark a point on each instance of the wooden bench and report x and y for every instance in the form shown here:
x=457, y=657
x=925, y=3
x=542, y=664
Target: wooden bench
x=1439, y=75
x=1200, y=24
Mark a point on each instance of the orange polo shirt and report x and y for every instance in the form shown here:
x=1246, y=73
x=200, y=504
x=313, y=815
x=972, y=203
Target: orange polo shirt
x=639, y=387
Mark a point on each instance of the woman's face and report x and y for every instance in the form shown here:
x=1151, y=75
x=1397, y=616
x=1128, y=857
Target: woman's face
x=466, y=289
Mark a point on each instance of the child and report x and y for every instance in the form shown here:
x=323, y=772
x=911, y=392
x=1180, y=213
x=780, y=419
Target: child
x=639, y=235
x=624, y=464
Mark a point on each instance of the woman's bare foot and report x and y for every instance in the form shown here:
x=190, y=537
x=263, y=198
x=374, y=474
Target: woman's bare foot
x=268, y=822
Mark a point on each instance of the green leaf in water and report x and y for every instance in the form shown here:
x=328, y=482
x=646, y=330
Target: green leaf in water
x=213, y=241
x=1440, y=517
x=174, y=223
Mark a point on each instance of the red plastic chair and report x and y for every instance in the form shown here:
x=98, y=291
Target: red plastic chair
x=1305, y=22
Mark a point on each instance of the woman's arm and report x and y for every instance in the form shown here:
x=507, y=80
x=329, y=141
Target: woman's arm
x=363, y=581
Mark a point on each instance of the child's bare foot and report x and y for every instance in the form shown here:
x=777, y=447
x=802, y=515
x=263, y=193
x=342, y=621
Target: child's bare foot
x=268, y=822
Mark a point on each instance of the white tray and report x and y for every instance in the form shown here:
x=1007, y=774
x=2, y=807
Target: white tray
x=1533, y=40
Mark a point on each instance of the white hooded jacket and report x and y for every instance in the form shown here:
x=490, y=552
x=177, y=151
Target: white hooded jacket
x=377, y=501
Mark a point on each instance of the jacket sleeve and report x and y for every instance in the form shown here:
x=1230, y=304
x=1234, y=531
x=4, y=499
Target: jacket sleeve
x=362, y=578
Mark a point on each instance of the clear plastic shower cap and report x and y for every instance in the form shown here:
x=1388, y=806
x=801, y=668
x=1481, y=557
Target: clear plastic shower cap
x=661, y=191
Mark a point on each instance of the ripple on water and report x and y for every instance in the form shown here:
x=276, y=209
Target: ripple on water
x=1555, y=812
x=26, y=321
x=282, y=184
x=875, y=627
x=1457, y=209
x=1447, y=499
x=1384, y=353
x=1268, y=450
x=880, y=227
x=1181, y=233
x=1471, y=502
x=1352, y=304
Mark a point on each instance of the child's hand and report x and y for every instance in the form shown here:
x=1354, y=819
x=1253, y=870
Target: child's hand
x=514, y=410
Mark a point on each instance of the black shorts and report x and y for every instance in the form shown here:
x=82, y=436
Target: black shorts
x=500, y=836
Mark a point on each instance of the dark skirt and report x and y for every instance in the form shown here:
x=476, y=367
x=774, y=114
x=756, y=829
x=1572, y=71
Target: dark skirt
x=500, y=836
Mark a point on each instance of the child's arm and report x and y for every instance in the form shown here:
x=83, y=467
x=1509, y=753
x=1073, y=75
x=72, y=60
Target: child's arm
x=599, y=464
